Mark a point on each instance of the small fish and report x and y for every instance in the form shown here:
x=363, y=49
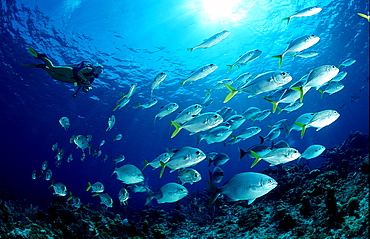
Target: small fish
x=184, y=158
x=168, y=193
x=148, y=104
x=188, y=114
x=70, y=158
x=298, y=45
x=313, y=151
x=58, y=163
x=281, y=144
x=303, y=119
x=48, y=174
x=105, y=158
x=55, y=146
x=101, y=143
x=44, y=165
x=207, y=100
x=111, y=122
x=340, y=76
x=97, y=187
x=264, y=82
x=289, y=95
x=157, y=81
x=262, y=115
x=234, y=121
x=64, y=122
x=243, y=186
x=220, y=85
x=76, y=202
x=210, y=156
x=213, y=40
x=251, y=112
x=364, y=16
x=200, y=73
x=215, y=135
x=291, y=107
x=306, y=54
x=97, y=153
x=123, y=196
x=304, y=13
x=59, y=189
x=188, y=175
x=242, y=80
x=137, y=187
x=166, y=110
x=245, y=134
x=106, y=199
x=122, y=104
x=119, y=158
x=60, y=154
x=347, y=62
x=129, y=174
x=34, y=174
x=71, y=139
x=217, y=175
x=225, y=111
x=130, y=92
x=277, y=156
x=155, y=163
x=83, y=156
x=273, y=134
x=118, y=137
x=332, y=88
x=319, y=120
x=200, y=123
x=82, y=142
x=219, y=159
x=245, y=58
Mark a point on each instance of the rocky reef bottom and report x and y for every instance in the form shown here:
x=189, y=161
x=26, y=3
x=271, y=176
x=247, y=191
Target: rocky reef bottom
x=331, y=201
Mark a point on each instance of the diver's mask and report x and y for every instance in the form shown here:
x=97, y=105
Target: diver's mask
x=98, y=69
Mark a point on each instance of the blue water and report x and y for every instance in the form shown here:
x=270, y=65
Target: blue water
x=135, y=40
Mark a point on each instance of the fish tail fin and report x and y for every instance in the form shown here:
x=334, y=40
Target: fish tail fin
x=150, y=196
x=210, y=176
x=123, y=96
x=190, y=49
x=230, y=68
x=232, y=93
x=322, y=93
x=280, y=110
x=242, y=153
x=300, y=89
x=364, y=16
x=183, y=83
x=214, y=193
x=199, y=138
x=115, y=108
x=146, y=164
x=280, y=57
x=52, y=184
x=286, y=19
x=95, y=194
x=138, y=105
x=288, y=129
x=90, y=148
x=262, y=139
x=162, y=169
x=304, y=127
x=177, y=130
x=70, y=196
x=274, y=104
x=258, y=158
x=339, y=65
x=89, y=186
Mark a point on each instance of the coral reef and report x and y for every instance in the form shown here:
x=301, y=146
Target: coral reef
x=328, y=202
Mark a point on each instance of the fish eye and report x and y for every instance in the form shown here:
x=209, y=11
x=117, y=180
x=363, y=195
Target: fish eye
x=333, y=66
x=198, y=152
x=216, y=116
x=211, y=64
x=313, y=35
x=283, y=73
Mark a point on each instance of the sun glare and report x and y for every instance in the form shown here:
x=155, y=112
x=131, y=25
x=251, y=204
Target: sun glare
x=223, y=10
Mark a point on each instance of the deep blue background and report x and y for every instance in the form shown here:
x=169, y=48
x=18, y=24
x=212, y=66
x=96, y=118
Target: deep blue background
x=135, y=40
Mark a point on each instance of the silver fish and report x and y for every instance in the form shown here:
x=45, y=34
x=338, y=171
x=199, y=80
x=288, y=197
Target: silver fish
x=217, y=175
x=97, y=187
x=200, y=73
x=273, y=134
x=313, y=151
x=59, y=189
x=215, y=135
x=199, y=123
x=277, y=156
x=188, y=113
x=332, y=88
x=340, y=76
x=164, y=158
x=347, y=62
x=244, y=186
x=64, y=122
x=306, y=54
x=225, y=111
x=123, y=196
x=148, y=104
x=245, y=134
x=213, y=40
x=118, y=137
x=166, y=110
x=122, y=104
x=298, y=45
x=304, y=13
x=106, y=199
x=111, y=122
x=168, y=193
x=82, y=142
x=129, y=174
x=157, y=81
x=245, y=58
x=321, y=75
x=235, y=121
x=188, y=175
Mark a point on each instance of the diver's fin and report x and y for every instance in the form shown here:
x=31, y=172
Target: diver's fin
x=34, y=53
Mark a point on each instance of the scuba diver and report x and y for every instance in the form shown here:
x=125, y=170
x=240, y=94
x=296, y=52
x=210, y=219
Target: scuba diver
x=81, y=75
